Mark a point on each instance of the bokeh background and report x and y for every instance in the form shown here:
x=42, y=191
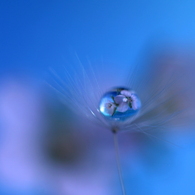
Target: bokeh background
x=45, y=149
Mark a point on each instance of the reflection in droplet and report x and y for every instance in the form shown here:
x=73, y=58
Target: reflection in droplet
x=120, y=104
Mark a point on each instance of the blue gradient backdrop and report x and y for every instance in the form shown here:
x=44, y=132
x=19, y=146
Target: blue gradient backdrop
x=36, y=35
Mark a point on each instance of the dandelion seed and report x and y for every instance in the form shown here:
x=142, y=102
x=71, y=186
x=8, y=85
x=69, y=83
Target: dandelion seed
x=120, y=108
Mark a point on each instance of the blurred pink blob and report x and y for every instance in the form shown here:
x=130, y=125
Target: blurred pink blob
x=21, y=122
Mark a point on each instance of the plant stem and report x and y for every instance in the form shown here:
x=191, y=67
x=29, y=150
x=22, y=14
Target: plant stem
x=118, y=162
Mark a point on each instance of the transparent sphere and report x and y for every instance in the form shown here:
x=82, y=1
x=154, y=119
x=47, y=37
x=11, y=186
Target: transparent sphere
x=119, y=104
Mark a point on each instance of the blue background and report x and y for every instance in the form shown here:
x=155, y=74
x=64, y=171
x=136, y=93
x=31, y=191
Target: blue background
x=36, y=35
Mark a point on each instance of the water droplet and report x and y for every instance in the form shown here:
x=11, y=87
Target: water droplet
x=119, y=104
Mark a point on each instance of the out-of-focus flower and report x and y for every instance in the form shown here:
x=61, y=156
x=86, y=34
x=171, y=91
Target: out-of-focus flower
x=54, y=147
